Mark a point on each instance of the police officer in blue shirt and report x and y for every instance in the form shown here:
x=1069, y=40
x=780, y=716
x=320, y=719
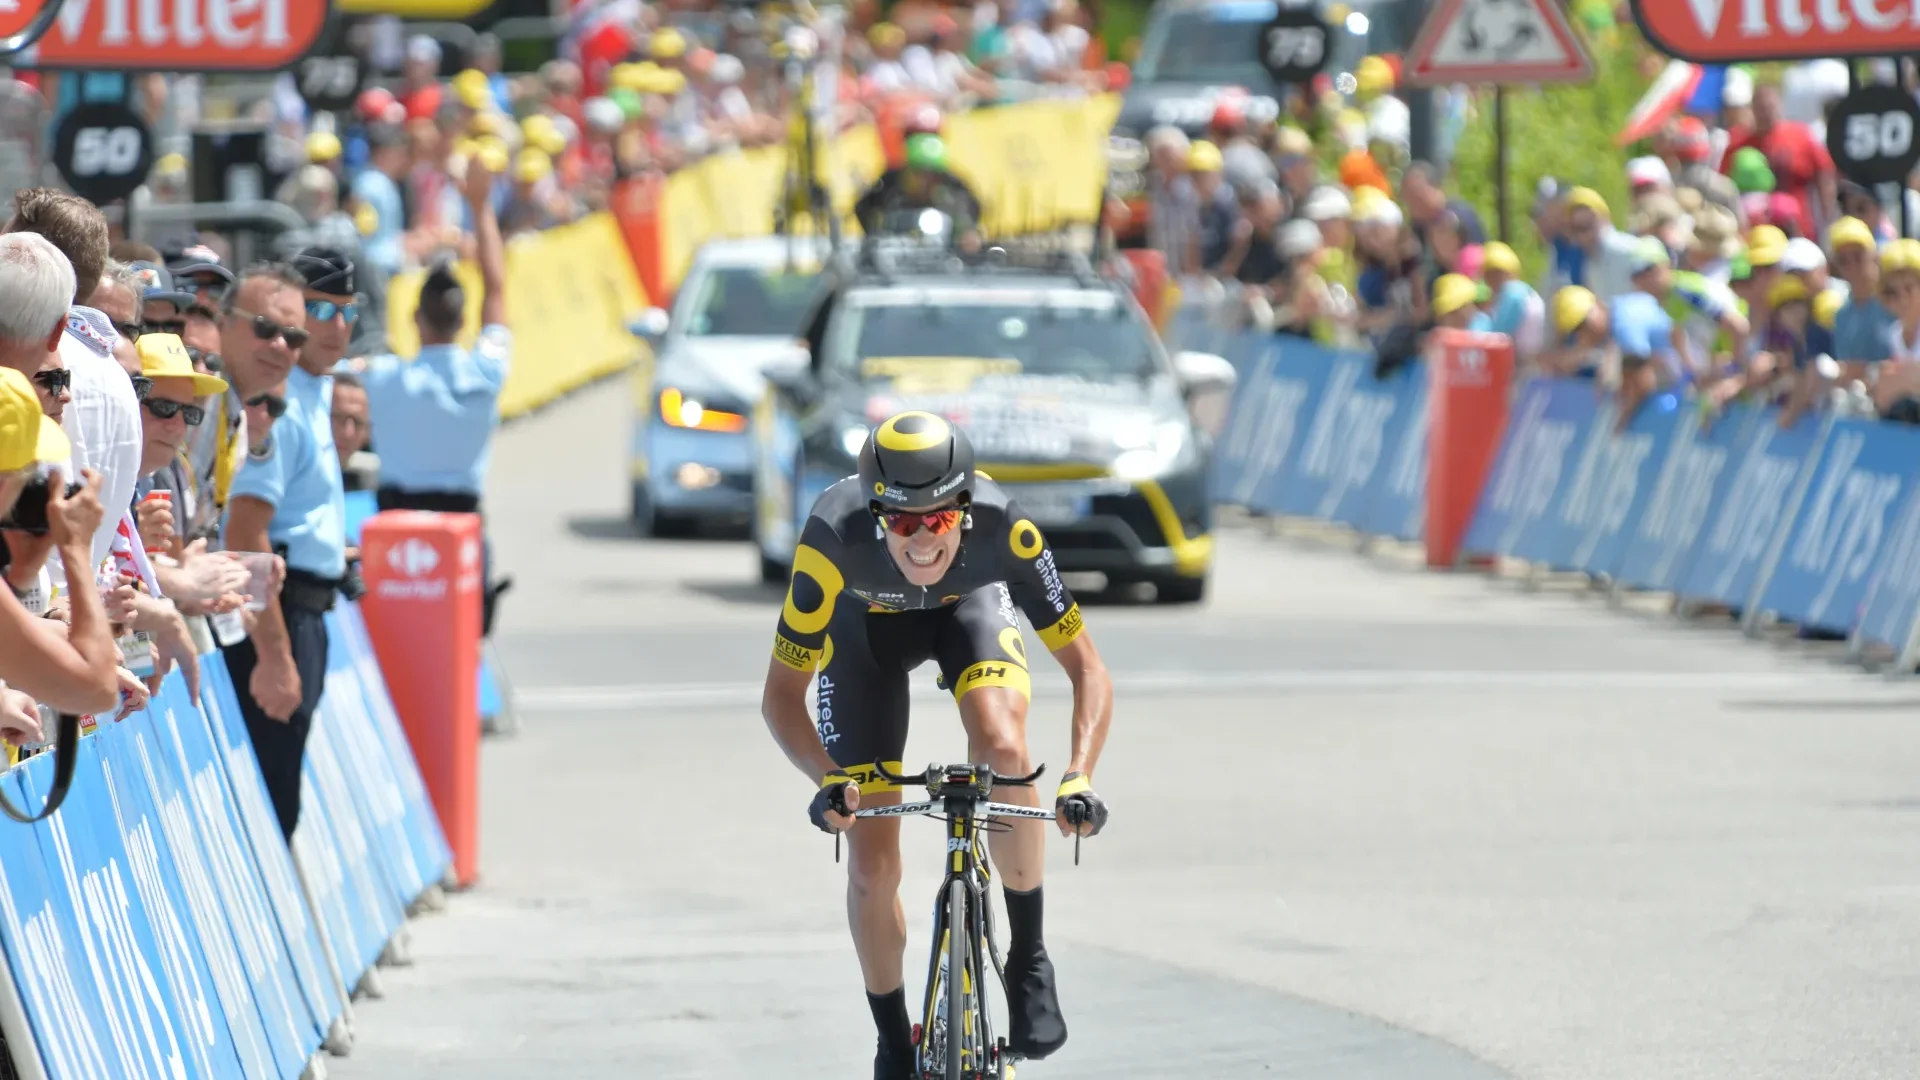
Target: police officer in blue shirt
x=433, y=418
x=286, y=498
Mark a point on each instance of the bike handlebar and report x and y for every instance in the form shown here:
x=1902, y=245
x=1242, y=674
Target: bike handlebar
x=935, y=773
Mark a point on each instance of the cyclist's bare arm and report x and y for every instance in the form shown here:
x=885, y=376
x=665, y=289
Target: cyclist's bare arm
x=1092, y=701
x=783, y=704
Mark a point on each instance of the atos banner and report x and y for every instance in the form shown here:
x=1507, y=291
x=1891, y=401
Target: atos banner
x=178, y=35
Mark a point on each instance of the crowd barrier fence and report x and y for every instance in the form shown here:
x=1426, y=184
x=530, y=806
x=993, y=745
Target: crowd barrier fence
x=157, y=925
x=1815, y=524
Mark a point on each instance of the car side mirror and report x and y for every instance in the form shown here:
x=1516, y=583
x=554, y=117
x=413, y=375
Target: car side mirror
x=1201, y=373
x=793, y=376
x=650, y=326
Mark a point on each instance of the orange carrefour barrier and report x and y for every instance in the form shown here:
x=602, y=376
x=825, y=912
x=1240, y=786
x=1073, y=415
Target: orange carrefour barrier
x=636, y=207
x=422, y=609
x=1469, y=373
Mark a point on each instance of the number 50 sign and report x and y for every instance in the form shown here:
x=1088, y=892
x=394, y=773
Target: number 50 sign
x=1871, y=135
x=103, y=151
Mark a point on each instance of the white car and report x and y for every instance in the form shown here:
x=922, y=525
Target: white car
x=738, y=310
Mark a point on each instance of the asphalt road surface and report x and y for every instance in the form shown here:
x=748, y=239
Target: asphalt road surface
x=1368, y=822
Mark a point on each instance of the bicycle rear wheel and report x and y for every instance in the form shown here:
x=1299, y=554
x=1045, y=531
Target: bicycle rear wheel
x=959, y=1005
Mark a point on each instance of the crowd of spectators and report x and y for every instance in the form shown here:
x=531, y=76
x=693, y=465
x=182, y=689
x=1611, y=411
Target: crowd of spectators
x=1743, y=267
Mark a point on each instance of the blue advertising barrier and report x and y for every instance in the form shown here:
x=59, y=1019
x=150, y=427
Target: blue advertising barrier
x=1864, y=475
x=1692, y=485
x=156, y=925
x=1741, y=541
x=1817, y=522
x=1395, y=503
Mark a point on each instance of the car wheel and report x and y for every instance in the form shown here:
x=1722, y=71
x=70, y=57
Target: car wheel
x=771, y=572
x=641, y=510
x=648, y=521
x=1179, y=590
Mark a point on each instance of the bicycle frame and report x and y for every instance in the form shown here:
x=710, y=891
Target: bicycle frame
x=963, y=796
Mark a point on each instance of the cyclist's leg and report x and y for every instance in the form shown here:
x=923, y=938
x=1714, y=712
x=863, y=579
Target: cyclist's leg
x=983, y=659
x=862, y=719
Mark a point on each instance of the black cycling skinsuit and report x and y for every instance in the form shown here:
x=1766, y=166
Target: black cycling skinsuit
x=851, y=616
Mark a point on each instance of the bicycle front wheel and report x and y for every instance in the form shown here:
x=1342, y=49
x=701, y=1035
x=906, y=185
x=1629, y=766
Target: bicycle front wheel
x=960, y=1029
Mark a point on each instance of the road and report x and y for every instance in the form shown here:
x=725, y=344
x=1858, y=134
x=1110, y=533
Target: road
x=1368, y=822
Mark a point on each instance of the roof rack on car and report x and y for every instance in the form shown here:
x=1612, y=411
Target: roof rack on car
x=890, y=257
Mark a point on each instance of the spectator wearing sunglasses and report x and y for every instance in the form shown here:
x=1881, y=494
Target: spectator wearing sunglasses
x=436, y=415
x=163, y=306
x=289, y=501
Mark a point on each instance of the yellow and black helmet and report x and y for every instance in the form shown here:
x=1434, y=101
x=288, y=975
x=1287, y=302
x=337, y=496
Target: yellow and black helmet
x=916, y=459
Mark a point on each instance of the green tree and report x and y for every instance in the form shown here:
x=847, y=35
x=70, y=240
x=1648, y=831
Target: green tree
x=1566, y=132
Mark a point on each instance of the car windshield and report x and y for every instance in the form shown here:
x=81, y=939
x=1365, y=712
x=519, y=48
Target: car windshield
x=1093, y=338
x=1212, y=44
x=750, y=302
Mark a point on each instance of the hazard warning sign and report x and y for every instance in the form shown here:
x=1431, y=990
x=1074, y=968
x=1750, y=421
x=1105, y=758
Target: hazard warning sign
x=1497, y=41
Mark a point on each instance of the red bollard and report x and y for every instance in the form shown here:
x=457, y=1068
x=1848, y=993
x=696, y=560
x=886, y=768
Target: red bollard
x=1468, y=377
x=422, y=609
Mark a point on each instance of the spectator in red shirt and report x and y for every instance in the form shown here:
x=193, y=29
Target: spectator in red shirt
x=1802, y=168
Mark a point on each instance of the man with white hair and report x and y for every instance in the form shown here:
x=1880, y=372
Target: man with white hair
x=36, y=284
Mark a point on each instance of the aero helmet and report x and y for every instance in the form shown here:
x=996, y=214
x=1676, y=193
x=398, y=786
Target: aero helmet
x=916, y=459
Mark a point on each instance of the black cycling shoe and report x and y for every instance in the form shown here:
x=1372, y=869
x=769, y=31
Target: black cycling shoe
x=1033, y=1006
x=889, y=1064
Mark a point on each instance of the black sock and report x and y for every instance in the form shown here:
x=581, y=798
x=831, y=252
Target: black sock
x=890, y=1017
x=1023, y=922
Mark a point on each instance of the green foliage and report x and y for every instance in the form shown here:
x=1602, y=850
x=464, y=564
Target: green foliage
x=1566, y=132
x=1121, y=20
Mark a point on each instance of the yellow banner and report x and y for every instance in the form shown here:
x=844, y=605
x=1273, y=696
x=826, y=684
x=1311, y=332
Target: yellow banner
x=571, y=293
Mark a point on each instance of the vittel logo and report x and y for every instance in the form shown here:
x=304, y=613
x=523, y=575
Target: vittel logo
x=413, y=557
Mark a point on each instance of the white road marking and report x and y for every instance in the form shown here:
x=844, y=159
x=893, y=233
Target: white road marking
x=1188, y=682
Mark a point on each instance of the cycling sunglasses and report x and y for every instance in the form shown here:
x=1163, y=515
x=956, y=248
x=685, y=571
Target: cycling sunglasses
x=266, y=330
x=325, y=310
x=275, y=404
x=938, y=522
x=167, y=410
x=53, y=380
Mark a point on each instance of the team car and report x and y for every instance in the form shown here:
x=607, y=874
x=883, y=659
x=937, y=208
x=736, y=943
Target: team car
x=1051, y=368
x=740, y=308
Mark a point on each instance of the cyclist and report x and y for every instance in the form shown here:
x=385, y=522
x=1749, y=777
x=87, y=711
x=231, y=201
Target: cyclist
x=916, y=558
x=924, y=182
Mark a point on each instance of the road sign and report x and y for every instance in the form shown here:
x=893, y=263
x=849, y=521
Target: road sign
x=22, y=22
x=103, y=151
x=1293, y=47
x=1734, y=31
x=1871, y=135
x=1502, y=42
x=178, y=35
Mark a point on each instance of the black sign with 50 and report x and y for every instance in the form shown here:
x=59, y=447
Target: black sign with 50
x=1871, y=135
x=103, y=151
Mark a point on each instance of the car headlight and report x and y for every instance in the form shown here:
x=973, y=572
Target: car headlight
x=686, y=411
x=1150, y=451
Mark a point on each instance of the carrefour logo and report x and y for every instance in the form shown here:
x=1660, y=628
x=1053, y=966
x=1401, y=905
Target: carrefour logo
x=413, y=557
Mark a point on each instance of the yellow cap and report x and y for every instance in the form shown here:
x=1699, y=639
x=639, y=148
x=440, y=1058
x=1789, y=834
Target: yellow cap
x=322, y=147
x=1571, y=306
x=170, y=163
x=1291, y=140
x=1203, y=156
x=886, y=33
x=1590, y=199
x=1785, y=291
x=1826, y=307
x=631, y=76
x=27, y=437
x=1766, y=246
x=1373, y=76
x=539, y=130
x=1902, y=254
x=668, y=83
x=471, y=86
x=1453, y=292
x=492, y=152
x=366, y=219
x=667, y=44
x=1849, y=231
x=1498, y=256
x=164, y=356
x=532, y=166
